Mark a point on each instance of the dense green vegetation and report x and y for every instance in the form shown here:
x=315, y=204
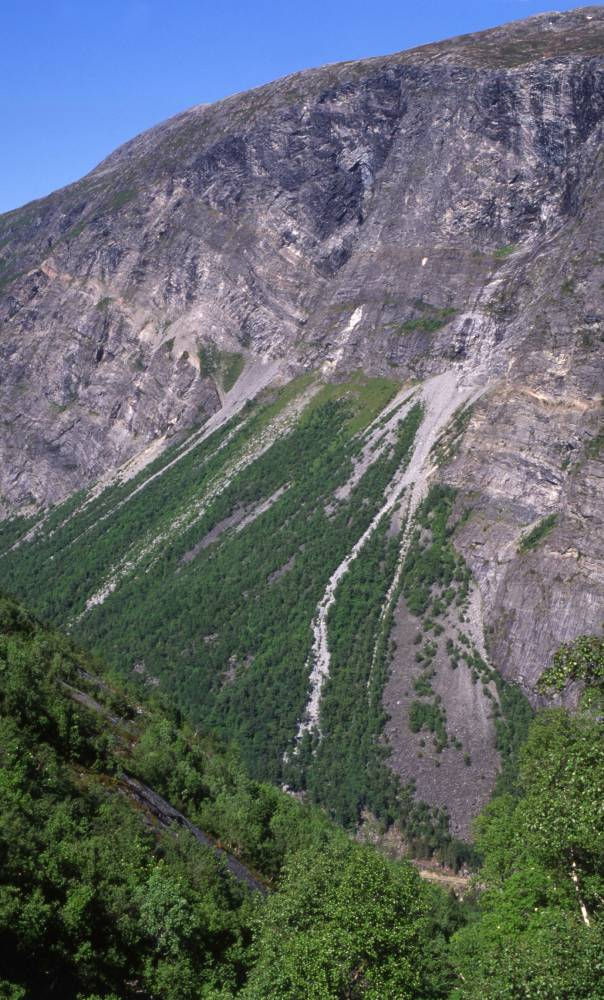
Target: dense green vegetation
x=513, y=717
x=341, y=911
x=540, y=931
x=247, y=602
x=222, y=617
x=434, y=574
x=346, y=770
x=536, y=535
x=540, y=926
x=430, y=716
x=13, y=528
x=98, y=901
x=434, y=581
x=580, y=660
x=95, y=901
x=218, y=566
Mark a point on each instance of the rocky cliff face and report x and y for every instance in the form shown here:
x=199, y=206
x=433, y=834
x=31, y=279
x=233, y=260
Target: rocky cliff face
x=356, y=215
x=435, y=210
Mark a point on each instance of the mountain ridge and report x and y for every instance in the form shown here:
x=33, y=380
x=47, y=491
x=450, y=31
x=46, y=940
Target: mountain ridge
x=579, y=16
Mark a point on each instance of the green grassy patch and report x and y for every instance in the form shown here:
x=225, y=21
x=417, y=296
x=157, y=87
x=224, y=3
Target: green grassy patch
x=537, y=534
x=430, y=320
x=224, y=366
x=209, y=360
x=368, y=397
x=502, y=252
x=232, y=367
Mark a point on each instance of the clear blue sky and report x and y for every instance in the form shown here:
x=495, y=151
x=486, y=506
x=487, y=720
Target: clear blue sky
x=79, y=77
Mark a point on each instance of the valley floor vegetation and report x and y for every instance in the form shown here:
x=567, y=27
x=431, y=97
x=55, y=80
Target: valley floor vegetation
x=97, y=900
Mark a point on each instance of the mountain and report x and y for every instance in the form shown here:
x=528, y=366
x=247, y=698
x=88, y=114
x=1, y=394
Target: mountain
x=302, y=410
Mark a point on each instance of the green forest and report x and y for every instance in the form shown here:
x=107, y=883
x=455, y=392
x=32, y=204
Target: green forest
x=218, y=554
x=247, y=600
x=100, y=900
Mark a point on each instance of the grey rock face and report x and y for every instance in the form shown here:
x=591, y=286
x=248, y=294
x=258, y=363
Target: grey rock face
x=399, y=214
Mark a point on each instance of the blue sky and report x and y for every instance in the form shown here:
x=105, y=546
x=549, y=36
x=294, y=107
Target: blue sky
x=78, y=77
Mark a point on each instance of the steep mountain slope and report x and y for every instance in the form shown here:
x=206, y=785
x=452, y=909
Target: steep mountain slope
x=259, y=570
x=431, y=218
